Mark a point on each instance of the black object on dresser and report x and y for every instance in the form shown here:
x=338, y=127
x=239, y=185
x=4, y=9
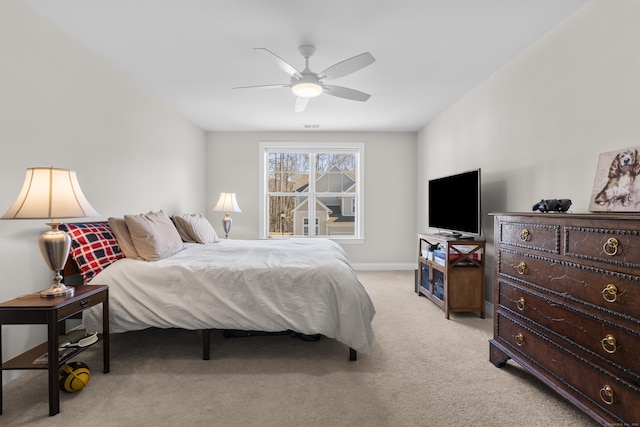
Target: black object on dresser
x=567, y=307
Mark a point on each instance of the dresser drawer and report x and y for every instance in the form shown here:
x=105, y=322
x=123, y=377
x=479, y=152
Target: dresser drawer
x=613, y=343
x=612, y=246
x=602, y=392
x=542, y=237
x=609, y=291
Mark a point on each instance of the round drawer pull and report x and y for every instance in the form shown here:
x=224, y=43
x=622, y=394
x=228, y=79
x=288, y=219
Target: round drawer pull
x=609, y=344
x=611, y=246
x=522, y=267
x=524, y=235
x=606, y=394
x=520, y=304
x=610, y=293
x=519, y=340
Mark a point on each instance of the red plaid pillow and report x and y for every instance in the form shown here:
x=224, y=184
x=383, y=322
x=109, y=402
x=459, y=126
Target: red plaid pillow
x=93, y=247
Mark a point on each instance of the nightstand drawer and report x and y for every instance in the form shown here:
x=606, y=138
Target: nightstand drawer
x=80, y=305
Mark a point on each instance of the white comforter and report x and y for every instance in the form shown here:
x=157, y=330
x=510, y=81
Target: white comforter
x=304, y=285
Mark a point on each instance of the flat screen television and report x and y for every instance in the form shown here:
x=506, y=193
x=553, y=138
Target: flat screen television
x=454, y=204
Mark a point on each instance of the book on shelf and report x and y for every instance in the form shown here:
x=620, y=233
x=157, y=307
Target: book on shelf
x=440, y=255
x=68, y=343
x=62, y=352
x=427, y=254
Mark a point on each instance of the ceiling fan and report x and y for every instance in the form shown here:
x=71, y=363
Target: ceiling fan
x=306, y=84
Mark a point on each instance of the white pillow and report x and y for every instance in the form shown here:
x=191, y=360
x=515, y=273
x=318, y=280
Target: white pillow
x=195, y=228
x=154, y=235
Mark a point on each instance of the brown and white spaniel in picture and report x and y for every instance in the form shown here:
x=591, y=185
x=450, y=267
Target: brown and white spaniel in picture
x=622, y=173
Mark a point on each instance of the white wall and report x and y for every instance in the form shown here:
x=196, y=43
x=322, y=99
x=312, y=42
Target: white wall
x=537, y=126
x=62, y=106
x=390, y=188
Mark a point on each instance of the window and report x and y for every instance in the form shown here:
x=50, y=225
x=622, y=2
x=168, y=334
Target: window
x=305, y=227
x=305, y=181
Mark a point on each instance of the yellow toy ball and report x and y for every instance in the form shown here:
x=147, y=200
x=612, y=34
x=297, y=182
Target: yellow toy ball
x=73, y=376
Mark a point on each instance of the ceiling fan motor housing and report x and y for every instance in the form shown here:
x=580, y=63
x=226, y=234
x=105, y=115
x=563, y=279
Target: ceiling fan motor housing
x=308, y=86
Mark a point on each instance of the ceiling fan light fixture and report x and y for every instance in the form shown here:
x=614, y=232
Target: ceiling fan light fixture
x=307, y=89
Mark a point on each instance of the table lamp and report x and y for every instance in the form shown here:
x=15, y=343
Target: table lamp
x=52, y=193
x=227, y=203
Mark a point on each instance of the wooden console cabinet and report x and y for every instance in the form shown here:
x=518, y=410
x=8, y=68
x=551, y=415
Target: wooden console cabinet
x=567, y=307
x=456, y=283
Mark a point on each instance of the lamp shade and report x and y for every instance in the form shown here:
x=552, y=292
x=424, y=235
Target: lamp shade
x=227, y=203
x=50, y=193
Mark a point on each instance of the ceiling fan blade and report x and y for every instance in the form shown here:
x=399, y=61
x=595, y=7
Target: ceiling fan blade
x=280, y=63
x=276, y=86
x=347, y=66
x=344, y=92
x=301, y=104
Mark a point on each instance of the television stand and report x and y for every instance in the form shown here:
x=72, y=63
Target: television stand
x=455, y=281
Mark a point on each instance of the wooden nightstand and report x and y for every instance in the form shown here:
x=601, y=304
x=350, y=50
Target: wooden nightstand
x=32, y=309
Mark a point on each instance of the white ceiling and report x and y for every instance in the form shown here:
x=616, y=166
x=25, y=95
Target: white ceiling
x=192, y=52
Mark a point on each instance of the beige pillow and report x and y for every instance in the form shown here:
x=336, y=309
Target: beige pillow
x=154, y=235
x=182, y=230
x=195, y=228
x=121, y=233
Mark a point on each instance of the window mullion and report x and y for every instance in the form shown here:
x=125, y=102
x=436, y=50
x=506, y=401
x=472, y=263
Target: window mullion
x=312, y=194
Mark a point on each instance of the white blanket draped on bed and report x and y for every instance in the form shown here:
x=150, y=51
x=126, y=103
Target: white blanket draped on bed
x=303, y=285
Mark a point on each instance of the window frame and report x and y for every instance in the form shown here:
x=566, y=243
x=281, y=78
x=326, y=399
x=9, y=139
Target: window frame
x=357, y=148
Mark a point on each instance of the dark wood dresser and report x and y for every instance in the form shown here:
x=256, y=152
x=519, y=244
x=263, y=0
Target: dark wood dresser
x=567, y=307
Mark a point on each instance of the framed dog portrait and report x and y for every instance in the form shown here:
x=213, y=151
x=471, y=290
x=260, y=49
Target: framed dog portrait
x=615, y=187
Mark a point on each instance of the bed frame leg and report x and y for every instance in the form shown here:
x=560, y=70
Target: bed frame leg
x=353, y=355
x=206, y=340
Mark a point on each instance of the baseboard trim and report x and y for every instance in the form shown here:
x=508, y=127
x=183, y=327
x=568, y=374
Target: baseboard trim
x=385, y=266
x=488, y=309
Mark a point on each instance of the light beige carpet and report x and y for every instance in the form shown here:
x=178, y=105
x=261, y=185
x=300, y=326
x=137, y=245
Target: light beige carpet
x=424, y=371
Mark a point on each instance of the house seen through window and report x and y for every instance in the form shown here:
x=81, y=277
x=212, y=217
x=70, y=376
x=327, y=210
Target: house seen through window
x=301, y=181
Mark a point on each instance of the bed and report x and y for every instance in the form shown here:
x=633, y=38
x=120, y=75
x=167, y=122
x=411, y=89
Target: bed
x=302, y=285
